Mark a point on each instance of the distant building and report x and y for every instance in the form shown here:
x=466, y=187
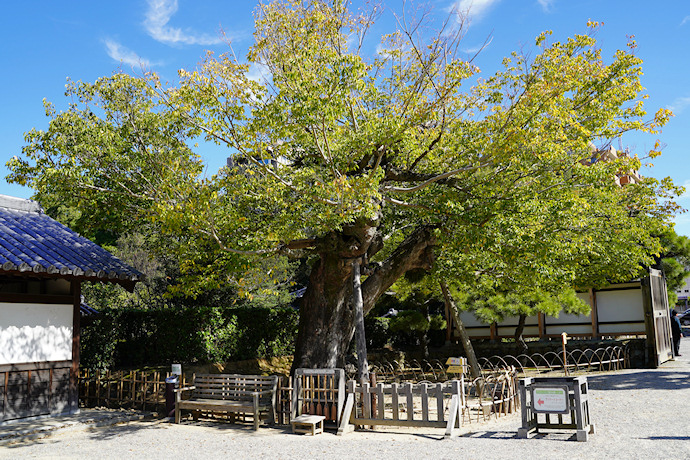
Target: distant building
x=42, y=267
x=610, y=154
x=682, y=293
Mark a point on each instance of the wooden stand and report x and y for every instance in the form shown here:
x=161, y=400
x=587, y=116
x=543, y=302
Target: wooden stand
x=562, y=404
x=308, y=424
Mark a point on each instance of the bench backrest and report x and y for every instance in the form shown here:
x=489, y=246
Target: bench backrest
x=235, y=387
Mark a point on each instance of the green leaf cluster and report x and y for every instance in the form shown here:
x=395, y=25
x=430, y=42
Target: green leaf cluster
x=511, y=171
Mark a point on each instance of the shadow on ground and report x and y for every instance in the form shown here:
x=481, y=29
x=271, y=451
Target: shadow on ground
x=651, y=380
x=111, y=432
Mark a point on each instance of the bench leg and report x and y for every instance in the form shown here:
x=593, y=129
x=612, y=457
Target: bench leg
x=177, y=413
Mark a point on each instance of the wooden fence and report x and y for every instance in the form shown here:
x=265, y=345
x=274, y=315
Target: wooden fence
x=131, y=389
x=445, y=405
x=319, y=392
x=145, y=390
x=415, y=405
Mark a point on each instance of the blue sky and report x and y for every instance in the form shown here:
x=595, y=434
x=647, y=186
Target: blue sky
x=46, y=41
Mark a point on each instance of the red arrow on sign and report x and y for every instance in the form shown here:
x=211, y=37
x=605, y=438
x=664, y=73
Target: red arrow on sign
x=540, y=402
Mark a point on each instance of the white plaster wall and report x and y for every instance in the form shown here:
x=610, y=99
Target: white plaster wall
x=620, y=306
x=35, y=332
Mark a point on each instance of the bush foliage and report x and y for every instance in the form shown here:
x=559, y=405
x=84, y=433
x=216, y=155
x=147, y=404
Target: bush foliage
x=147, y=337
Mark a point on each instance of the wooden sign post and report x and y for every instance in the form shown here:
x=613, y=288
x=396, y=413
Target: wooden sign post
x=565, y=357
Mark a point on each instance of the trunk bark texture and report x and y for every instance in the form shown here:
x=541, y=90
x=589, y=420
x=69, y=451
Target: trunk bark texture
x=362, y=363
x=327, y=314
x=519, y=339
x=475, y=370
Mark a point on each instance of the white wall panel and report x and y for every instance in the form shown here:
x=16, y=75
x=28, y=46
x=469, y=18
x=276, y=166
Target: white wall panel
x=620, y=306
x=35, y=332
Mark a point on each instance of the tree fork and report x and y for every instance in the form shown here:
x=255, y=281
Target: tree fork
x=327, y=314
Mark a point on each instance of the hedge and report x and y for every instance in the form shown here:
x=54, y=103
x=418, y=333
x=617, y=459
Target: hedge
x=151, y=337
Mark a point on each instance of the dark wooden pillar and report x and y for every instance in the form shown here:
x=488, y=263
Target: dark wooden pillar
x=76, y=331
x=594, y=313
x=541, y=318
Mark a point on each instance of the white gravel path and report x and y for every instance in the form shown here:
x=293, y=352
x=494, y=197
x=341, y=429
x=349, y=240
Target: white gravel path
x=639, y=414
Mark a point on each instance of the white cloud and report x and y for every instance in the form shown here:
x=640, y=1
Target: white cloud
x=259, y=72
x=679, y=105
x=546, y=4
x=156, y=23
x=474, y=9
x=685, y=20
x=478, y=48
x=125, y=55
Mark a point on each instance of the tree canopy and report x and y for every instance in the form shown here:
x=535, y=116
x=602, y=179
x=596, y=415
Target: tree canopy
x=401, y=160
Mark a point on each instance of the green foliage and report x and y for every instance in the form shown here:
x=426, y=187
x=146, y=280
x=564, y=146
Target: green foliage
x=495, y=306
x=512, y=174
x=674, y=261
x=135, y=337
x=377, y=332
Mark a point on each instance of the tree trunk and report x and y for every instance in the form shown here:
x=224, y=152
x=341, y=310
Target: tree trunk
x=362, y=364
x=475, y=370
x=424, y=338
x=519, y=340
x=327, y=315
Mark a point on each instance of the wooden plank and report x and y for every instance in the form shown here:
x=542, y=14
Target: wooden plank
x=381, y=403
x=389, y=422
x=347, y=413
x=366, y=397
x=76, y=334
x=394, y=399
x=410, y=401
x=439, y=402
x=32, y=366
x=425, y=402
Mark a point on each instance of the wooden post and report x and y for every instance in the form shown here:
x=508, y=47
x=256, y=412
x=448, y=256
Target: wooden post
x=541, y=317
x=76, y=331
x=564, y=335
x=594, y=313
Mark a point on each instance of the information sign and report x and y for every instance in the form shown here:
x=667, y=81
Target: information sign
x=552, y=400
x=455, y=369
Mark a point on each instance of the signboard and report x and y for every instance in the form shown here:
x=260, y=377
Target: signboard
x=550, y=399
x=456, y=365
x=455, y=369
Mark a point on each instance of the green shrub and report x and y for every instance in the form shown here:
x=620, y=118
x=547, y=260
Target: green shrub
x=377, y=332
x=136, y=337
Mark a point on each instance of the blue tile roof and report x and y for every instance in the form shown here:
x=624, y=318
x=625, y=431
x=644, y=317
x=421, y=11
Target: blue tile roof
x=31, y=241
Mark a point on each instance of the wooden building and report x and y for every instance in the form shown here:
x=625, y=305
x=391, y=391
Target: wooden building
x=639, y=308
x=42, y=266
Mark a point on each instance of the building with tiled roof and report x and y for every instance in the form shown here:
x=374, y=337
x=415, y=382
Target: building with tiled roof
x=42, y=266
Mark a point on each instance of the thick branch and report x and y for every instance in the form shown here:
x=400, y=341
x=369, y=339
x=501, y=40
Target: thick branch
x=416, y=251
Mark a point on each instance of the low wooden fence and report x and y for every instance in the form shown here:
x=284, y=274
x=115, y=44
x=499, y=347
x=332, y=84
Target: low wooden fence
x=144, y=389
x=415, y=405
x=611, y=358
x=131, y=389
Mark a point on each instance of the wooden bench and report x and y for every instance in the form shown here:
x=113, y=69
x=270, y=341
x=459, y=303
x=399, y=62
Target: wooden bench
x=230, y=393
x=308, y=424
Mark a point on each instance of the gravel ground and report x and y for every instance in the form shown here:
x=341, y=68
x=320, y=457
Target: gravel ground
x=638, y=414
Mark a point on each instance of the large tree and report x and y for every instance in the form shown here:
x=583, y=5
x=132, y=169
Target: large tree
x=393, y=161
